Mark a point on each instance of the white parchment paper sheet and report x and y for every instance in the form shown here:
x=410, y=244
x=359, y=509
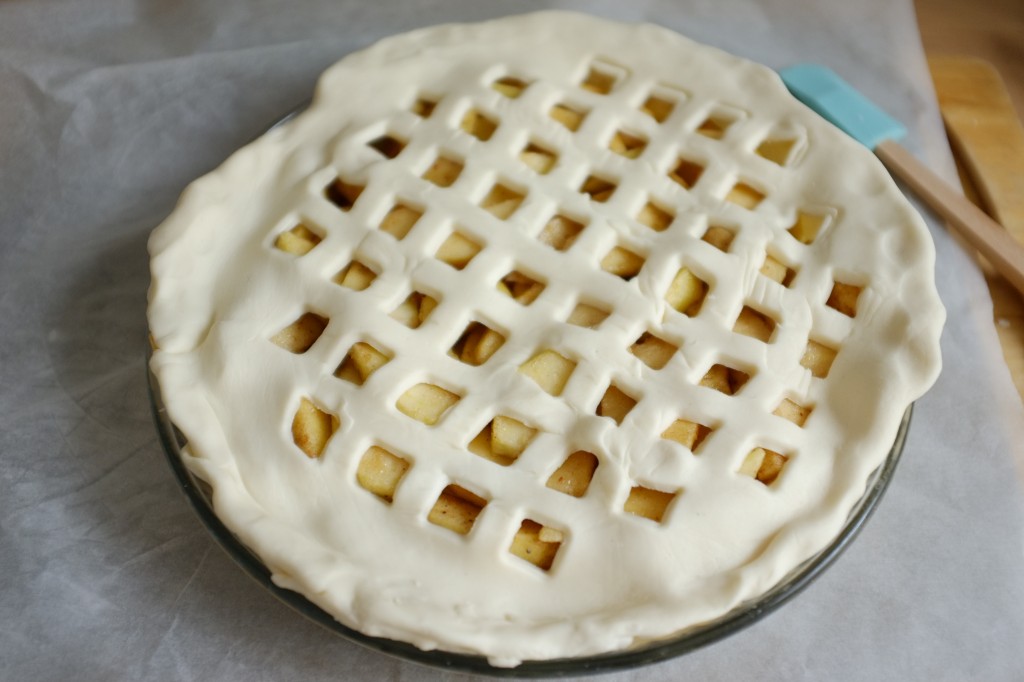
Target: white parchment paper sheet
x=110, y=107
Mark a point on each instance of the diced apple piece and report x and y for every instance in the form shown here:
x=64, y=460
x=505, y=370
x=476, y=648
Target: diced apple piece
x=744, y=196
x=615, y=404
x=656, y=218
x=622, y=263
x=400, y=220
x=358, y=277
x=717, y=378
x=539, y=159
x=773, y=269
x=584, y=315
x=532, y=544
x=389, y=146
x=807, y=226
x=719, y=237
x=289, y=242
x=426, y=403
x=688, y=434
x=754, y=324
x=408, y=313
x=657, y=108
x=465, y=346
x=355, y=276
x=574, y=476
x=300, y=335
x=502, y=201
x=686, y=173
x=348, y=371
x=648, y=503
x=361, y=361
x=653, y=351
x=456, y=509
x=548, y=534
x=763, y=465
x=489, y=341
x=770, y=467
x=380, y=472
x=298, y=241
x=481, y=447
x=541, y=163
x=714, y=127
x=630, y=146
x=427, y=305
x=509, y=86
x=599, y=189
x=509, y=437
x=560, y=232
x=724, y=379
x=443, y=172
x=457, y=250
x=818, y=358
x=505, y=208
x=686, y=293
x=423, y=107
x=343, y=194
x=478, y=343
x=478, y=125
x=527, y=294
x=598, y=81
x=752, y=462
x=550, y=370
x=844, y=298
x=521, y=288
x=567, y=116
x=776, y=150
x=312, y=428
x=367, y=359
x=790, y=410
x=502, y=440
x=414, y=310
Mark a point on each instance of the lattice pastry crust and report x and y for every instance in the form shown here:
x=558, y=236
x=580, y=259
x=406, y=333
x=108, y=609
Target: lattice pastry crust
x=541, y=337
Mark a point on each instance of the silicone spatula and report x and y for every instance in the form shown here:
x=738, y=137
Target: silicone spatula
x=837, y=101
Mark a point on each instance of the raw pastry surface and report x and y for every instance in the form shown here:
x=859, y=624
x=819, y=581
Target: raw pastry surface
x=595, y=327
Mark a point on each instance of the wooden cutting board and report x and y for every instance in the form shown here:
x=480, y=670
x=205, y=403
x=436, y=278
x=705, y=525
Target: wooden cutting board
x=988, y=143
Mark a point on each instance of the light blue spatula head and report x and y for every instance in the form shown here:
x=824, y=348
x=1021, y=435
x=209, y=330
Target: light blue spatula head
x=823, y=90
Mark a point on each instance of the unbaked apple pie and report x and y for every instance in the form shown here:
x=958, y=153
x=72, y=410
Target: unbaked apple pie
x=542, y=337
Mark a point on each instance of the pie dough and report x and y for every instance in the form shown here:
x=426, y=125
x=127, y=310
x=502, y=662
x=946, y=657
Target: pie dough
x=543, y=337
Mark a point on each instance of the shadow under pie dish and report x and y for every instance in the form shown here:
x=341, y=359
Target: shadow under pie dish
x=525, y=349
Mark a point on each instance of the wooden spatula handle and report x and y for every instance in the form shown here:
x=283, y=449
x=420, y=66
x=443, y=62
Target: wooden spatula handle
x=993, y=242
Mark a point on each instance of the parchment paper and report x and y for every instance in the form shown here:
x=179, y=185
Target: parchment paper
x=110, y=107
